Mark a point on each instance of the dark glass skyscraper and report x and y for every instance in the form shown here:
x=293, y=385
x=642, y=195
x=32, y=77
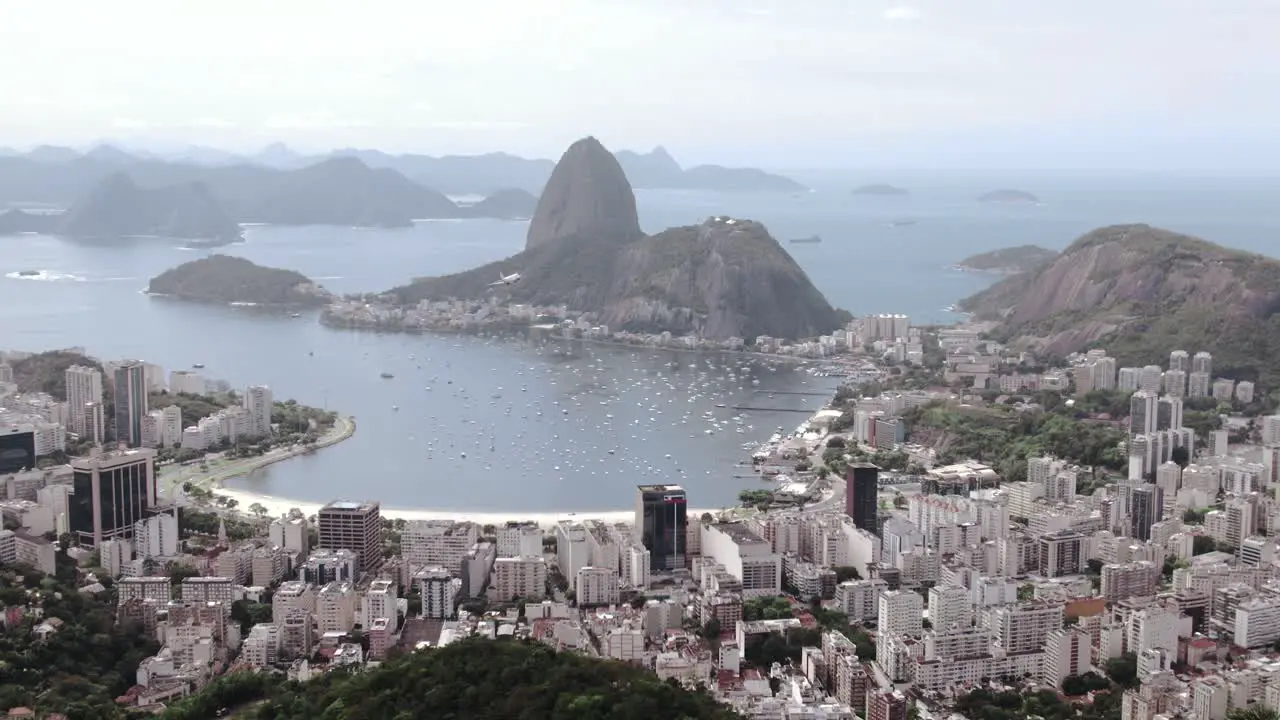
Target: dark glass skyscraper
x=111, y=492
x=1146, y=508
x=131, y=402
x=17, y=450
x=663, y=524
x=861, y=492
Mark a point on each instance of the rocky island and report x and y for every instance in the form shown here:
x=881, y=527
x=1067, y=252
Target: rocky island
x=14, y=222
x=118, y=207
x=505, y=204
x=585, y=253
x=1009, y=261
x=879, y=189
x=1009, y=197
x=225, y=279
x=1142, y=292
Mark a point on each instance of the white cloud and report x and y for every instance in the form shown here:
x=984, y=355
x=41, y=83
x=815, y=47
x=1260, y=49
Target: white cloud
x=902, y=13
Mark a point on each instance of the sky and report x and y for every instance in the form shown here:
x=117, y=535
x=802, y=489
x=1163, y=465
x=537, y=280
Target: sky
x=786, y=84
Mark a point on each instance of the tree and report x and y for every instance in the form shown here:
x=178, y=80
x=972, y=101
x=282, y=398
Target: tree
x=258, y=509
x=711, y=630
x=1123, y=670
x=1255, y=711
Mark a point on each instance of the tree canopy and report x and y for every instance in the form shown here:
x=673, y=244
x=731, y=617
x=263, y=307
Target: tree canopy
x=477, y=679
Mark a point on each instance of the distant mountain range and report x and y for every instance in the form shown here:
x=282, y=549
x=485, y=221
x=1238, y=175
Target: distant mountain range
x=450, y=174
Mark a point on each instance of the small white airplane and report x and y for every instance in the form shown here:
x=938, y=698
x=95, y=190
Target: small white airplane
x=511, y=279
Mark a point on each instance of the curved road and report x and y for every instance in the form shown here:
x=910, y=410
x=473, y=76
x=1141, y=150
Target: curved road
x=217, y=469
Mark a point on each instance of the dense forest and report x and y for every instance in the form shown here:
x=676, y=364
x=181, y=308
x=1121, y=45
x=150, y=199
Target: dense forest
x=475, y=679
x=80, y=668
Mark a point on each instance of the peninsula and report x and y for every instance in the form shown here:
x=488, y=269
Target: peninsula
x=1143, y=292
x=1009, y=261
x=227, y=279
x=118, y=207
x=721, y=279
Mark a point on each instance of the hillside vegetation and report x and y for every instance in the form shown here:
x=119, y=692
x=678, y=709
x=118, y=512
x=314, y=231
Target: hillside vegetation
x=475, y=679
x=1141, y=292
x=227, y=279
x=1010, y=260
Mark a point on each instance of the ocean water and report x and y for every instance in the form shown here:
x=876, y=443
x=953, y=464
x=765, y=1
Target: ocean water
x=478, y=424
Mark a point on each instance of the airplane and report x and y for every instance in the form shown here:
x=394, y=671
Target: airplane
x=511, y=279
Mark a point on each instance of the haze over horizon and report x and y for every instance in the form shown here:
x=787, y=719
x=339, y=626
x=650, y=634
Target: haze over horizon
x=1144, y=84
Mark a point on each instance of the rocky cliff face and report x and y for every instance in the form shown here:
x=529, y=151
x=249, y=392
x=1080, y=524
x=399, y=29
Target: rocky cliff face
x=1140, y=292
x=587, y=194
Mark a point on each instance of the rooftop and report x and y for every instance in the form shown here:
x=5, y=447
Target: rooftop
x=739, y=532
x=659, y=488
x=348, y=506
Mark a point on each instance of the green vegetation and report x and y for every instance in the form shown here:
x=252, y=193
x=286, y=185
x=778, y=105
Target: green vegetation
x=194, y=407
x=756, y=498
x=201, y=522
x=1004, y=438
x=984, y=704
x=1255, y=711
x=47, y=371
x=80, y=668
x=475, y=679
x=1011, y=259
x=766, y=608
x=227, y=279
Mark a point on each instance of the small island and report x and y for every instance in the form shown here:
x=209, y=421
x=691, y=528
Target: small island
x=505, y=204
x=1009, y=197
x=227, y=279
x=1010, y=260
x=879, y=189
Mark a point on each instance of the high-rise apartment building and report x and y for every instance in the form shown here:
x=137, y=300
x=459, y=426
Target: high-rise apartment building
x=84, y=386
x=662, y=525
x=1198, y=384
x=861, y=495
x=1142, y=413
x=1146, y=508
x=1202, y=363
x=258, y=403
x=131, y=401
x=1064, y=552
x=353, y=526
x=1175, y=383
x=1180, y=360
x=111, y=492
x=17, y=450
x=1169, y=413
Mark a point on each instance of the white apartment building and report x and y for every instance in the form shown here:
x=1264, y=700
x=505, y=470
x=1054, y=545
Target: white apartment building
x=84, y=386
x=519, y=538
x=521, y=577
x=1067, y=652
x=156, y=536
x=381, y=600
x=1025, y=626
x=900, y=613
x=1258, y=622
x=258, y=403
x=573, y=551
x=1135, y=579
x=336, y=608
x=439, y=590
x=289, y=533
x=950, y=606
x=261, y=648
x=636, y=569
x=443, y=543
x=597, y=586
x=185, y=382
x=744, y=555
x=291, y=598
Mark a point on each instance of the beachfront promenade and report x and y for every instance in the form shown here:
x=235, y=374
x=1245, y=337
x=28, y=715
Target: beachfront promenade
x=214, y=471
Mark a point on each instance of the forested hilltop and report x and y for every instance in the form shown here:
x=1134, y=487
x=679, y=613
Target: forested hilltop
x=475, y=679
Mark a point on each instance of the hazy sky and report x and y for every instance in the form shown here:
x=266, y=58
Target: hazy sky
x=787, y=83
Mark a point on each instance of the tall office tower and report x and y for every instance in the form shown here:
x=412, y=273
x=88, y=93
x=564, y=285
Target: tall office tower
x=257, y=402
x=662, y=524
x=17, y=450
x=1179, y=360
x=861, y=490
x=1169, y=413
x=1149, y=379
x=131, y=402
x=353, y=526
x=1202, y=362
x=110, y=493
x=1142, y=413
x=1175, y=383
x=1146, y=508
x=84, y=386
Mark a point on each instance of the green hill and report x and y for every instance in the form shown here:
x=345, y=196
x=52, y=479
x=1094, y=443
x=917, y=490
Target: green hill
x=1141, y=292
x=475, y=679
x=227, y=279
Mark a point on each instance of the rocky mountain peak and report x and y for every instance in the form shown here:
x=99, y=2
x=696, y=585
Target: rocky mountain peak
x=587, y=194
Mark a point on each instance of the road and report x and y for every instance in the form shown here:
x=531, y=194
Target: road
x=217, y=469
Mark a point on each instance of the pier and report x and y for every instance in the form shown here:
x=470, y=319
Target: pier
x=806, y=411
x=791, y=392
